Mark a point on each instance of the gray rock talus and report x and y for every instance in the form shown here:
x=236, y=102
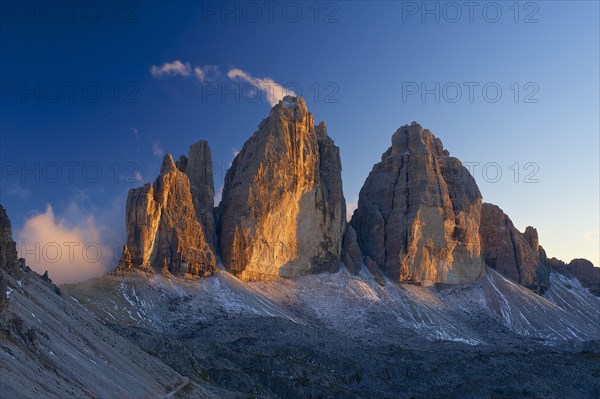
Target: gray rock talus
x=283, y=210
x=582, y=269
x=418, y=213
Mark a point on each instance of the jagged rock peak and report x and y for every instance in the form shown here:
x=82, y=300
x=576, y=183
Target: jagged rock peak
x=163, y=227
x=8, y=248
x=418, y=213
x=518, y=256
x=167, y=164
x=198, y=167
x=283, y=210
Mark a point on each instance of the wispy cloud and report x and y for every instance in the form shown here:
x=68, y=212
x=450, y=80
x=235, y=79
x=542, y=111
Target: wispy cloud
x=267, y=87
x=137, y=176
x=157, y=150
x=272, y=90
x=171, y=69
x=135, y=132
x=207, y=73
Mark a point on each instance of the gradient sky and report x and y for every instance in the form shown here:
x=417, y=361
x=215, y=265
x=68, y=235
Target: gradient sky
x=78, y=97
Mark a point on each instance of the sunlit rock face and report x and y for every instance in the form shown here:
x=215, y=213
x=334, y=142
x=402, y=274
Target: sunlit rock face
x=283, y=210
x=163, y=227
x=418, y=213
x=198, y=167
x=518, y=256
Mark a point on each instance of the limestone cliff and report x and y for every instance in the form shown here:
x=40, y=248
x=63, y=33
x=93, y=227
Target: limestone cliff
x=418, y=213
x=198, y=167
x=283, y=210
x=163, y=227
x=518, y=256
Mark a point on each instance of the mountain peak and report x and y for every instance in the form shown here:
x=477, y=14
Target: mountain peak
x=167, y=164
x=283, y=210
x=418, y=213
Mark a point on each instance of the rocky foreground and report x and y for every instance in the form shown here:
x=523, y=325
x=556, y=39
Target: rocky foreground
x=340, y=335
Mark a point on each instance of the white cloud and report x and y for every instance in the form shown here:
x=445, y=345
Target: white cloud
x=135, y=132
x=69, y=252
x=138, y=177
x=350, y=207
x=157, y=150
x=272, y=90
x=171, y=69
x=207, y=73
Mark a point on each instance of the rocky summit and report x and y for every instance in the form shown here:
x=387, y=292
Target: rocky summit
x=418, y=213
x=283, y=209
x=518, y=256
x=198, y=167
x=8, y=248
x=164, y=227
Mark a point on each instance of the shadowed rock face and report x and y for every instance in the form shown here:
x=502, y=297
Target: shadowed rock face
x=8, y=248
x=518, y=256
x=586, y=273
x=418, y=213
x=351, y=255
x=162, y=227
x=198, y=167
x=283, y=210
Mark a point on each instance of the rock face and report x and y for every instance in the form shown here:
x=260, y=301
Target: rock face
x=198, y=167
x=418, y=213
x=518, y=256
x=162, y=226
x=283, y=210
x=582, y=269
x=351, y=255
x=8, y=248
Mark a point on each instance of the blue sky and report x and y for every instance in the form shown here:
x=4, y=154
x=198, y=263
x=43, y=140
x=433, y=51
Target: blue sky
x=78, y=99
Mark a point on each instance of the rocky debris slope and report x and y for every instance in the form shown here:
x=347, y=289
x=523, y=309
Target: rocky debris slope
x=52, y=347
x=163, y=225
x=581, y=269
x=283, y=210
x=517, y=256
x=341, y=335
x=418, y=213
